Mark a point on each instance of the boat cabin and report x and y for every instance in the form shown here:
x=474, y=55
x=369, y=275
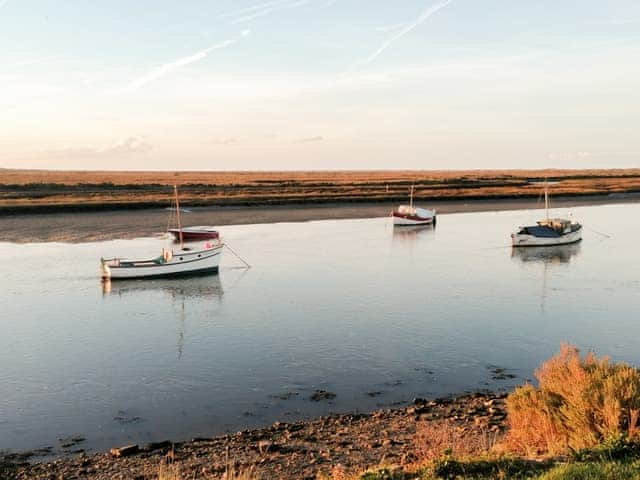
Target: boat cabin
x=549, y=228
x=406, y=210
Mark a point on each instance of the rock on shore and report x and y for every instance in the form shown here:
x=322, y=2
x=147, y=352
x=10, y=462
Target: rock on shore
x=286, y=451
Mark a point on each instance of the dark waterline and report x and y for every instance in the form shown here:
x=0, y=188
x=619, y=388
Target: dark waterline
x=374, y=315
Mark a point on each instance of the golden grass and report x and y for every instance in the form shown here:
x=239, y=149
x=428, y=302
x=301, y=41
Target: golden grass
x=580, y=402
x=169, y=471
x=435, y=439
x=41, y=188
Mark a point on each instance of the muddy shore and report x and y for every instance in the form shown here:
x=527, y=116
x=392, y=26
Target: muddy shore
x=119, y=224
x=286, y=451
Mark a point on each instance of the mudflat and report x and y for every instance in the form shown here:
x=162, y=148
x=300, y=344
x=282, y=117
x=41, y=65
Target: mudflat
x=93, y=226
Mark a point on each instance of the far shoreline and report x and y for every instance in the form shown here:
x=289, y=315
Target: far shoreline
x=88, y=226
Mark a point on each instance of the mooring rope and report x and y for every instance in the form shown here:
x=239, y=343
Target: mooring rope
x=237, y=256
x=596, y=231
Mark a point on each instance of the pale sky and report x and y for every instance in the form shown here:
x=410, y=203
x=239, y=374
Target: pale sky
x=319, y=84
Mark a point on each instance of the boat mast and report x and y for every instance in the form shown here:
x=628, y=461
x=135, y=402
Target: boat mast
x=546, y=198
x=411, y=197
x=175, y=191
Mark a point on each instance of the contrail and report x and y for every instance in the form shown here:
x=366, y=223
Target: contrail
x=265, y=11
x=252, y=8
x=162, y=70
x=426, y=14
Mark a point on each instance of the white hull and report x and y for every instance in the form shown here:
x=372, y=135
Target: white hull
x=523, y=240
x=405, y=222
x=181, y=263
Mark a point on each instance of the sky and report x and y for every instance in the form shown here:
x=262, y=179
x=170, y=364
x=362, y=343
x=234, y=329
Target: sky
x=319, y=84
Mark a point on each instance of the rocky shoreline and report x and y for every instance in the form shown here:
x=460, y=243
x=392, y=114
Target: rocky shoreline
x=287, y=451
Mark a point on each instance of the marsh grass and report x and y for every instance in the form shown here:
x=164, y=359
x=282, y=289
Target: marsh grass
x=32, y=190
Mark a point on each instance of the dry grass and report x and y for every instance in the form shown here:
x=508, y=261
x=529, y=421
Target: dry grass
x=41, y=188
x=580, y=402
x=437, y=439
x=169, y=471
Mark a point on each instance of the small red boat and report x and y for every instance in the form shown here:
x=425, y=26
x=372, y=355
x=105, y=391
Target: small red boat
x=200, y=232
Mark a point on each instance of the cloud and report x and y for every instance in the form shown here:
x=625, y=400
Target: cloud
x=166, y=68
x=310, y=139
x=228, y=141
x=255, y=11
x=407, y=28
x=126, y=147
x=569, y=156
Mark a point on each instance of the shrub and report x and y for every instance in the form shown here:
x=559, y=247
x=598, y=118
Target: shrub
x=580, y=402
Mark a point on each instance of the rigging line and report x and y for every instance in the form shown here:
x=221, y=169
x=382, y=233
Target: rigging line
x=596, y=231
x=237, y=256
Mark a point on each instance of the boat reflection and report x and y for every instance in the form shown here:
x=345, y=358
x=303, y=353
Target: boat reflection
x=178, y=288
x=414, y=232
x=549, y=255
x=180, y=291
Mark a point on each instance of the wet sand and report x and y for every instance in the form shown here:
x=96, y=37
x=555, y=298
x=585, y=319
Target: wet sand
x=115, y=224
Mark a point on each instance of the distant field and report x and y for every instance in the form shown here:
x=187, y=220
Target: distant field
x=40, y=190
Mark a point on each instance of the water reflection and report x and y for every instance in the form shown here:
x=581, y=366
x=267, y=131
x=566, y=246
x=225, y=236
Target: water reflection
x=177, y=288
x=413, y=233
x=547, y=255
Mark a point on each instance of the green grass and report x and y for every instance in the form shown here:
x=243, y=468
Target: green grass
x=513, y=469
x=595, y=471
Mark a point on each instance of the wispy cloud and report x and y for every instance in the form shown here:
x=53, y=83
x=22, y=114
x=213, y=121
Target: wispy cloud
x=227, y=141
x=260, y=10
x=49, y=59
x=406, y=28
x=327, y=4
x=166, y=68
x=128, y=146
x=569, y=156
x=317, y=138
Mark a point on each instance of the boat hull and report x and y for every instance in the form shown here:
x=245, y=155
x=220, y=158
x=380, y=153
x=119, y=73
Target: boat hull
x=402, y=220
x=525, y=240
x=195, y=233
x=182, y=264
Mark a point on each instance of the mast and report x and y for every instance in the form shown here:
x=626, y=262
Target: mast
x=411, y=197
x=546, y=198
x=175, y=191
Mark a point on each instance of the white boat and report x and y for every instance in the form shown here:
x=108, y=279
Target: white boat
x=547, y=232
x=408, y=215
x=170, y=263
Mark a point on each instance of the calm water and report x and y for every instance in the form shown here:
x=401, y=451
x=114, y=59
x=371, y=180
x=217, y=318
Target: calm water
x=348, y=306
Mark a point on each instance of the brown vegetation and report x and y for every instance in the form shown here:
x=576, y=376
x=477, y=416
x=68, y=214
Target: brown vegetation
x=39, y=189
x=580, y=402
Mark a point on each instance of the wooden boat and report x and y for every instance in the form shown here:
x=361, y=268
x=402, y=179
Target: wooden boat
x=408, y=215
x=547, y=232
x=200, y=232
x=170, y=263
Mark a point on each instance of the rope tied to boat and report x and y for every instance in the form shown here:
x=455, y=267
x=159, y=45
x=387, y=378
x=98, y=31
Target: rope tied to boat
x=237, y=256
